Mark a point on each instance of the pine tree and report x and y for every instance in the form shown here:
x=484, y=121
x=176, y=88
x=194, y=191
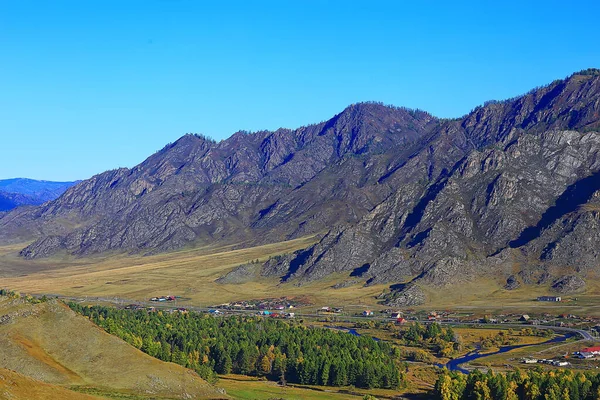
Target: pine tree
x=324, y=379
x=244, y=362
x=279, y=367
x=223, y=364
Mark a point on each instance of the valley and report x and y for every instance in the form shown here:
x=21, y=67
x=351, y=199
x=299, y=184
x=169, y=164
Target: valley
x=189, y=274
x=218, y=269
x=192, y=276
x=293, y=200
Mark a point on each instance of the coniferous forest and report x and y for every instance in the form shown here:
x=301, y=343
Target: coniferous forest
x=276, y=349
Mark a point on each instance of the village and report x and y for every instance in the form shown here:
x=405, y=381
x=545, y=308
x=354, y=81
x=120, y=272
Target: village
x=287, y=307
x=586, y=353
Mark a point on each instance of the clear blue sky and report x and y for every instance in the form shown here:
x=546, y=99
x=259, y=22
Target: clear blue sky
x=89, y=85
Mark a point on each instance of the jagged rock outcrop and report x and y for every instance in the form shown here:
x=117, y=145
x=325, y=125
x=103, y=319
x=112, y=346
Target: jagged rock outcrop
x=512, y=283
x=243, y=273
x=568, y=284
x=405, y=296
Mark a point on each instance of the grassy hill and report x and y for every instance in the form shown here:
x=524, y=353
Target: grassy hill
x=50, y=343
x=16, y=386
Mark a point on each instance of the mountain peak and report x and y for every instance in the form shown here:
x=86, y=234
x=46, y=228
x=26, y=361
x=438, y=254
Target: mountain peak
x=588, y=72
x=264, y=186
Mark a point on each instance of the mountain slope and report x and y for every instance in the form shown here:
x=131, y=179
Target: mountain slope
x=524, y=157
x=49, y=342
x=398, y=195
x=15, y=386
x=197, y=190
x=8, y=201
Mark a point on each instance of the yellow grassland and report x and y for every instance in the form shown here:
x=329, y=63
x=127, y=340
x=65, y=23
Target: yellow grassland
x=191, y=274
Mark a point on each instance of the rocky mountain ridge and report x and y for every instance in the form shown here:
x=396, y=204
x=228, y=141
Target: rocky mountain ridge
x=398, y=195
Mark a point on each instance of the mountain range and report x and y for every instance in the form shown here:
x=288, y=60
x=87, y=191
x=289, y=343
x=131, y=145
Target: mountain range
x=398, y=196
x=21, y=191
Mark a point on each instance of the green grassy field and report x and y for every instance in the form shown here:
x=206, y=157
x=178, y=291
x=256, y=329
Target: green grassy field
x=247, y=388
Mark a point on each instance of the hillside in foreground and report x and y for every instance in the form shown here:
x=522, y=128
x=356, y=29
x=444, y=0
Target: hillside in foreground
x=47, y=342
x=16, y=386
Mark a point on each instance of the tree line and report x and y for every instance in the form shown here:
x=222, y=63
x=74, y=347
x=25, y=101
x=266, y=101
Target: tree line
x=536, y=384
x=443, y=342
x=275, y=349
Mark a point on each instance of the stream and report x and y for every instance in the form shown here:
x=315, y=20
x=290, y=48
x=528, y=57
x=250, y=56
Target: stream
x=455, y=364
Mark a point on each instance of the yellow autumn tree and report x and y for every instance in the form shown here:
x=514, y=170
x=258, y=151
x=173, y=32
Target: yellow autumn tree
x=265, y=365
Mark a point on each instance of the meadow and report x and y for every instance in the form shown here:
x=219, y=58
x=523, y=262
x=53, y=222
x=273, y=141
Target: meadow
x=190, y=274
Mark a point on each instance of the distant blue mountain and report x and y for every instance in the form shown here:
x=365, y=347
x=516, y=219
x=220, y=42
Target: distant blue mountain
x=22, y=191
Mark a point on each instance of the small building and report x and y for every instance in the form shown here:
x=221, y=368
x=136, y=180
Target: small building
x=524, y=318
x=593, y=350
x=401, y=321
x=530, y=361
x=397, y=315
x=266, y=312
x=584, y=355
x=214, y=312
x=549, y=298
x=367, y=313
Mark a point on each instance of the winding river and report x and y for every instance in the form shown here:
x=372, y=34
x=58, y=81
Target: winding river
x=455, y=364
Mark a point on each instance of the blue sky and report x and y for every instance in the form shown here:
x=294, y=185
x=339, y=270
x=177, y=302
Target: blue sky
x=90, y=85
